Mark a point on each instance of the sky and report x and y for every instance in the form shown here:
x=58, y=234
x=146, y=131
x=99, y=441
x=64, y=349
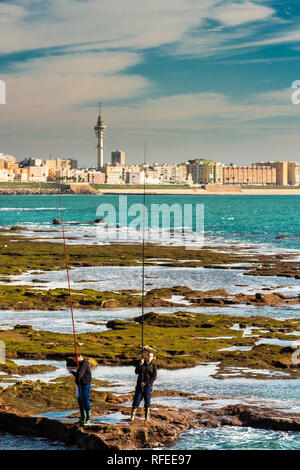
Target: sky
x=192, y=78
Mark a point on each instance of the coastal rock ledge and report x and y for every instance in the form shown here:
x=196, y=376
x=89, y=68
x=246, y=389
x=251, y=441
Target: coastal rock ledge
x=165, y=426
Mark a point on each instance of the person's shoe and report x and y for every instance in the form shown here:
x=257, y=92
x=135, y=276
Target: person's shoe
x=81, y=419
x=147, y=413
x=133, y=412
x=88, y=415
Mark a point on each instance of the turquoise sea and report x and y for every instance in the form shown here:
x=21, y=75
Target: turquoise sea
x=241, y=222
x=246, y=219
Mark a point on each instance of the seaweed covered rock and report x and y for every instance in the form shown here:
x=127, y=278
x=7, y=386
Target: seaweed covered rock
x=10, y=368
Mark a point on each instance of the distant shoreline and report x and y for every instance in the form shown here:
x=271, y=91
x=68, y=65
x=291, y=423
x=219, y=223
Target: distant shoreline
x=55, y=189
x=190, y=192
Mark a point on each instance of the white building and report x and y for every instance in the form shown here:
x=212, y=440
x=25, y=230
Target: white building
x=4, y=175
x=38, y=174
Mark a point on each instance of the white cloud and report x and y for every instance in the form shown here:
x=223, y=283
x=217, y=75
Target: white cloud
x=47, y=90
x=110, y=23
x=233, y=14
x=200, y=111
x=119, y=24
x=10, y=14
x=282, y=38
x=41, y=93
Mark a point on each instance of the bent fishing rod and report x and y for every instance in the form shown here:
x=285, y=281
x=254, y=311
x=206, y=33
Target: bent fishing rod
x=69, y=283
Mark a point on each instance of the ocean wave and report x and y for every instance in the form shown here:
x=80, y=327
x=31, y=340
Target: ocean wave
x=8, y=209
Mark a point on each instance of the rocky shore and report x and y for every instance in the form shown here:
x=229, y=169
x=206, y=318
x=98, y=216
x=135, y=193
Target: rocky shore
x=165, y=426
x=46, y=188
x=257, y=347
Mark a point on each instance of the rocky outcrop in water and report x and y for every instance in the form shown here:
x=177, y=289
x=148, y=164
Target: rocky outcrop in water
x=164, y=427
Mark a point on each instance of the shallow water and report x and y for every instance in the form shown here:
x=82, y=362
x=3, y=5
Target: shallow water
x=12, y=442
x=59, y=320
x=108, y=278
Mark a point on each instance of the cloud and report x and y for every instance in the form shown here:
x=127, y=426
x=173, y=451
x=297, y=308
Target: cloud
x=85, y=49
x=49, y=88
x=77, y=24
x=203, y=111
x=283, y=37
x=109, y=23
x=233, y=14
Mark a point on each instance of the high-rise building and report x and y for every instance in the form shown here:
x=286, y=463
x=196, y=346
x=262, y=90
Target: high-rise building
x=38, y=174
x=294, y=173
x=31, y=161
x=204, y=171
x=58, y=163
x=100, y=128
x=118, y=158
x=256, y=175
x=281, y=171
x=115, y=174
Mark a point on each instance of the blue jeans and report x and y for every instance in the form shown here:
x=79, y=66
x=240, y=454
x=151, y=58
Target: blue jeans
x=140, y=393
x=84, y=397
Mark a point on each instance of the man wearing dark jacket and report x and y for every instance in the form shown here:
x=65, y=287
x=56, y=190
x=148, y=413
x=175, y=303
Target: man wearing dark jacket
x=83, y=378
x=147, y=374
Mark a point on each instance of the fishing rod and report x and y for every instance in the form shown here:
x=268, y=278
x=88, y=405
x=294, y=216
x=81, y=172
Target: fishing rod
x=143, y=250
x=69, y=284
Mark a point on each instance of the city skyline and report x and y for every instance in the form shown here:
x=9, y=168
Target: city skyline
x=193, y=172
x=210, y=79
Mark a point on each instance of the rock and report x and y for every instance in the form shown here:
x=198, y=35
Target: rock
x=98, y=221
x=23, y=327
x=17, y=228
x=165, y=425
x=109, y=303
x=268, y=298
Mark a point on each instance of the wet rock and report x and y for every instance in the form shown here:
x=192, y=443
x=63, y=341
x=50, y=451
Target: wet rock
x=110, y=303
x=23, y=327
x=165, y=426
x=17, y=228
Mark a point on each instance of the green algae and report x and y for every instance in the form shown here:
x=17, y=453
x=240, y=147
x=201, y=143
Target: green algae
x=26, y=298
x=29, y=298
x=178, y=340
x=38, y=396
x=11, y=368
x=19, y=254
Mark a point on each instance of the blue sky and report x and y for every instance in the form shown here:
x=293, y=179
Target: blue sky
x=192, y=77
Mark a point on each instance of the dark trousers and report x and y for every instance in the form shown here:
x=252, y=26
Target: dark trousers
x=84, y=397
x=140, y=393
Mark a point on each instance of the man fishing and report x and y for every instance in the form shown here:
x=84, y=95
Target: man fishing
x=147, y=374
x=83, y=378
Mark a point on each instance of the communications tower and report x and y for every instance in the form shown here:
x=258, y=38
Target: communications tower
x=100, y=128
